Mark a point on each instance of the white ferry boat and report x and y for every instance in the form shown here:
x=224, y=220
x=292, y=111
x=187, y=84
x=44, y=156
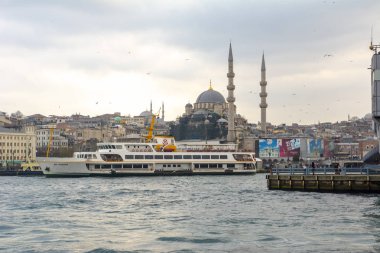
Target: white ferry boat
x=159, y=157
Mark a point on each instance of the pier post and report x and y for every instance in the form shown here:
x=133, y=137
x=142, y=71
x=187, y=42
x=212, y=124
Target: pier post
x=316, y=178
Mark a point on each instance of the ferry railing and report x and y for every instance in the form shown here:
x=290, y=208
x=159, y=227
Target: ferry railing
x=366, y=170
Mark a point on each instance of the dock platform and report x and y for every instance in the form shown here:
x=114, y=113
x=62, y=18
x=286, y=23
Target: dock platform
x=325, y=183
x=355, y=179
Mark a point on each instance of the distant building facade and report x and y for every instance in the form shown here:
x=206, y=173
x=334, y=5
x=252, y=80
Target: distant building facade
x=16, y=146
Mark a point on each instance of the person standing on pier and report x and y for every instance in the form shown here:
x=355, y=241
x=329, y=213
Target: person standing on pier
x=313, y=167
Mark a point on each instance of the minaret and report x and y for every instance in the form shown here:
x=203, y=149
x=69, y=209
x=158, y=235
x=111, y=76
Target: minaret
x=263, y=95
x=163, y=112
x=151, y=107
x=231, y=99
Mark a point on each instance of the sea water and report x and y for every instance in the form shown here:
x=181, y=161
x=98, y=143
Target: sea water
x=181, y=214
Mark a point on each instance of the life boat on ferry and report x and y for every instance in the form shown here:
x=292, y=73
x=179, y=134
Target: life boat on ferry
x=167, y=148
x=164, y=144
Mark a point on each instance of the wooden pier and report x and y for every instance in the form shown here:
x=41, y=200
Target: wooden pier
x=325, y=183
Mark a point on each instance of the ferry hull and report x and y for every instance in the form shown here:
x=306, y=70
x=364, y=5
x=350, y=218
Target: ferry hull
x=74, y=168
x=69, y=167
x=150, y=174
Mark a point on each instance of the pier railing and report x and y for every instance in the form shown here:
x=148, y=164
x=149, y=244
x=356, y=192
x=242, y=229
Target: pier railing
x=367, y=170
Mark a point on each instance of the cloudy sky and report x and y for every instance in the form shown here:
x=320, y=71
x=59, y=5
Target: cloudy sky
x=95, y=57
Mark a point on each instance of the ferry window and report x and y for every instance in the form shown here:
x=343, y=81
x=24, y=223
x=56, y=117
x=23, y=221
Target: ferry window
x=168, y=156
x=169, y=165
x=106, y=166
x=177, y=157
x=139, y=157
x=116, y=166
x=94, y=156
x=204, y=166
x=223, y=156
x=174, y=165
x=205, y=157
x=187, y=157
x=127, y=166
x=97, y=166
x=220, y=165
x=230, y=165
x=128, y=156
x=164, y=165
x=197, y=166
x=213, y=165
x=137, y=166
x=113, y=147
x=214, y=157
x=158, y=157
x=145, y=166
x=196, y=157
x=148, y=157
x=178, y=165
x=119, y=146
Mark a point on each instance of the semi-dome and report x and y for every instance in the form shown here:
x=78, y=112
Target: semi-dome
x=146, y=114
x=211, y=96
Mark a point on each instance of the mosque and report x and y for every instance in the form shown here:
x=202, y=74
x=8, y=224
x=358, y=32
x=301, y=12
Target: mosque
x=212, y=117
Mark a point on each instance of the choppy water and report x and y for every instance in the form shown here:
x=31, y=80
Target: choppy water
x=181, y=214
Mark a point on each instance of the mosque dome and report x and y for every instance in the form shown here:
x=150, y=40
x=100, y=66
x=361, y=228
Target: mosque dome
x=211, y=96
x=146, y=114
x=117, y=119
x=189, y=105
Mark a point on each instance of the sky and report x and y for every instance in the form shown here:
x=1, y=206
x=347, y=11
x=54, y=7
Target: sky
x=96, y=57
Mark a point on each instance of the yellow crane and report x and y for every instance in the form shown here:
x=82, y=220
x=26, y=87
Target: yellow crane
x=149, y=137
x=51, y=128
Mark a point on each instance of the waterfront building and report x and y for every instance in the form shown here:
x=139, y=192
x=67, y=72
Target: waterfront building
x=17, y=146
x=48, y=133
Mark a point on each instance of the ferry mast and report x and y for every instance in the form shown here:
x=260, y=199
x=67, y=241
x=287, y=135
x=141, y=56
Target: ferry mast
x=375, y=85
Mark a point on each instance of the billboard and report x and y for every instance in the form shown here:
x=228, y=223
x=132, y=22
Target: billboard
x=269, y=147
x=315, y=148
x=279, y=147
x=290, y=147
